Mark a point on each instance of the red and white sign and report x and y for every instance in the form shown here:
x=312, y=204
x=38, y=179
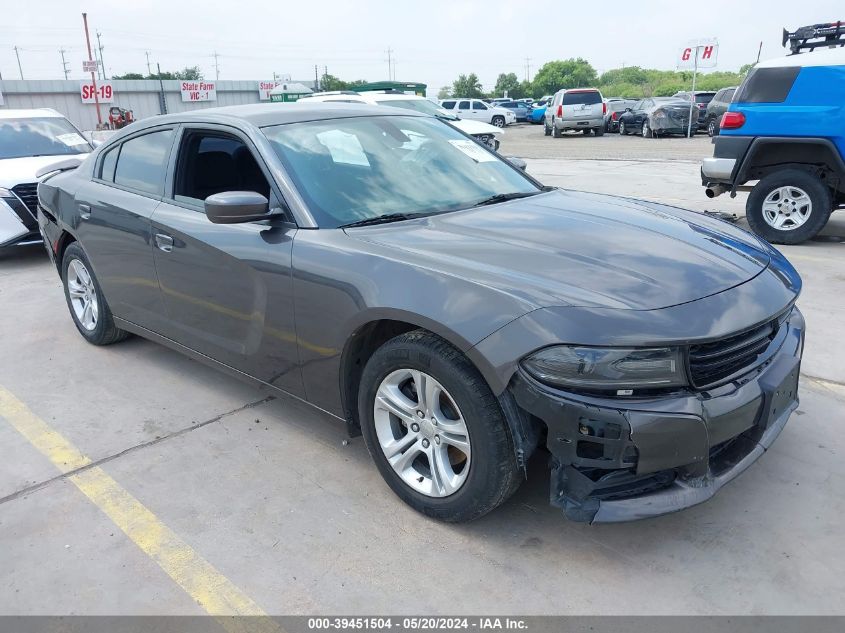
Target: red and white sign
x=264, y=88
x=104, y=92
x=199, y=91
x=705, y=52
x=89, y=66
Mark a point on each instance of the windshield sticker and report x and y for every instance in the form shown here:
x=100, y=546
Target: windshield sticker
x=476, y=153
x=344, y=147
x=72, y=139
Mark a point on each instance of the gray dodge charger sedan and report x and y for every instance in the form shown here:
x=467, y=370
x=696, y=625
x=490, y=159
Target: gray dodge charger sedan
x=392, y=272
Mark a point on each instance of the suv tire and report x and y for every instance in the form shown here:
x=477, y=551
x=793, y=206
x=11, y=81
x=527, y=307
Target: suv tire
x=779, y=198
x=712, y=127
x=460, y=399
x=498, y=121
x=599, y=131
x=88, y=308
x=555, y=131
x=546, y=129
x=623, y=131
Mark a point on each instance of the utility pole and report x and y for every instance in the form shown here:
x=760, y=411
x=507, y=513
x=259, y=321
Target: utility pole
x=162, y=99
x=149, y=71
x=93, y=79
x=216, y=66
x=64, y=63
x=527, y=69
x=316, y=78
x=390, y=63
x=102, y=63
x=97, y=59
x=18, y=55
x=759, y=50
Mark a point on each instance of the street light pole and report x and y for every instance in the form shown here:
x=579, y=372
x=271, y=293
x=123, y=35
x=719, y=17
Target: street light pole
x=18, y=55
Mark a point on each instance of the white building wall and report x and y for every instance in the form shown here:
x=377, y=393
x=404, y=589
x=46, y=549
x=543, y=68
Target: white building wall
x=140, y=96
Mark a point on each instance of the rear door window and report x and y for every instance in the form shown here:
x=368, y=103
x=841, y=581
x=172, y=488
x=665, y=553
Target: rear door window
x=767, y=85
x=463, y=105
x=107, y=164
x=581, y=97
x=143, y=161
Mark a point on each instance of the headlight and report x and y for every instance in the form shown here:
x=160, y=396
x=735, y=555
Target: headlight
x=5, y=193
x=607, y=368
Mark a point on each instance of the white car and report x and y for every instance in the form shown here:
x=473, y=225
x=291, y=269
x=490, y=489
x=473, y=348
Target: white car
x=484, y=132
x=30, y=140
x=477, y=110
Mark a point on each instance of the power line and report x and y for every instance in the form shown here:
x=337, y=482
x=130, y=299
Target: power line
x=64, y=63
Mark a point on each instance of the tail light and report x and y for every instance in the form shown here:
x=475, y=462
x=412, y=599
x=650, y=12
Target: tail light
x=604, y=107
x=614, y=116
x=732, y=120
x=560, y=110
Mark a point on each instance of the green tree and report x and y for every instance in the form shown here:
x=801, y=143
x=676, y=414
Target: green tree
x=444, y=93
x=467, y=86
x=507, y=84
x=745, y=68
x=188, y=72
x=330, y=82
x=526, y=89
x=129, y=76
x=568, y=73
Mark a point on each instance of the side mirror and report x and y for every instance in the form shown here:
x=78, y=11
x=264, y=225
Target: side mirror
x=517, y=162
x=233, y=207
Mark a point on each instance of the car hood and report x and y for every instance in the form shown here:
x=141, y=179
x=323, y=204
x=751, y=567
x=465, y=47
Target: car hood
x=15, y=171
x=566, y=248
x=469, y=126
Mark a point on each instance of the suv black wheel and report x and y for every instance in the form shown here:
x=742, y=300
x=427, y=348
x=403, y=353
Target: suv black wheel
x=435, y=430
x=85, y=300
x=599, y=131
x=712, y=127
x=555, y=131
x=788, y=206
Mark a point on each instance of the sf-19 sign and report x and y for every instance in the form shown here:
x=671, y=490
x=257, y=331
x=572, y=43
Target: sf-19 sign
x=103, y=92
x=699, y=54
x=199, y=91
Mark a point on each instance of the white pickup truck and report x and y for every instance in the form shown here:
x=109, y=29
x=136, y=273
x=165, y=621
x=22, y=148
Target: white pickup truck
x=477, y=110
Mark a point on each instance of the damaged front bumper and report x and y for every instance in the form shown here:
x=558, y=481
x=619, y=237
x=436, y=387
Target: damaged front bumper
x=617, y=459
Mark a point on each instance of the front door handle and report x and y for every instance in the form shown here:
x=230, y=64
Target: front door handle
x=85, y=211
x=164, y=242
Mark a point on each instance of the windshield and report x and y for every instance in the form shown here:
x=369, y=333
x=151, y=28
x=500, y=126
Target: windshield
x=419, y=105
x=354, y=169
x=40, y=136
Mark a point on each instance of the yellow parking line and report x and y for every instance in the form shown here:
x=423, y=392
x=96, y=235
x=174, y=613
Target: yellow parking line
x=208, y=587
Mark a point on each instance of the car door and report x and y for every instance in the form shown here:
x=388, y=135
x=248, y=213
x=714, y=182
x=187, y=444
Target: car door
x=464, y=111
x=115, y=209
x=480, y=111
x=226, y=287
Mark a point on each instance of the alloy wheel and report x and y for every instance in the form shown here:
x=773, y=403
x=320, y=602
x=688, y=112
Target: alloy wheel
x=787, y=208
x=83, y=294
x=422, y=432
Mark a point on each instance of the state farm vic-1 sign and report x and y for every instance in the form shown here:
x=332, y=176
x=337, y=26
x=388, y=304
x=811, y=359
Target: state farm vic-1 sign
x=199, y=91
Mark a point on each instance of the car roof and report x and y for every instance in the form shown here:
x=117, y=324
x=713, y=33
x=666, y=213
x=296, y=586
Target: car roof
x=822, y=57
x=30, y=114
x=261, y=115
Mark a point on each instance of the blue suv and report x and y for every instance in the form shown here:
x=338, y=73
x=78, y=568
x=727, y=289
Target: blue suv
x=785, y=128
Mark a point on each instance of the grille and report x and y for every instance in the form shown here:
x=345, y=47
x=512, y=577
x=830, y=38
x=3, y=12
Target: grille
x=28, y=193
x=711, y=362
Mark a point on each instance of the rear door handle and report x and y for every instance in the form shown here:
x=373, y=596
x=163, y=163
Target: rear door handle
x=85, y=211
x=164, y=242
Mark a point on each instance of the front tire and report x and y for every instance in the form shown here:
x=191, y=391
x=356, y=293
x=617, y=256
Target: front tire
x=546, y=129
x=85, y=300
x=623, y=131
x=498, y=121
x=788, y=207
x=646, y=131
x=435, y=430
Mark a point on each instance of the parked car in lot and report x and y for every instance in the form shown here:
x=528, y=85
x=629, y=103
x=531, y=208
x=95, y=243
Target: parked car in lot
x=538, y=113
x=785, y=128
x=479, y=111
x=716, y=108
x=702, y=98
x=484, y=132
x=29, y=140
x=576, y=109
x=615, y=108
x=379, y=265
x=656, y=116
x=520, y=109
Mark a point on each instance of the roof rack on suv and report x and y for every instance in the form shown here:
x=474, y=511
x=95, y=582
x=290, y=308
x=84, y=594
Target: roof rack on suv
x=815, y=36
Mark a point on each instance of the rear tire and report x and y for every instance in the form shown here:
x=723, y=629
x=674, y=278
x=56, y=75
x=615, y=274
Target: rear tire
x=555, y=131
x=646, y=130
x=788, y=207
x=712, y=127
x=88, y=308
x=546, y=129
x=623, y=131
x=429, y=479
x=599, y=131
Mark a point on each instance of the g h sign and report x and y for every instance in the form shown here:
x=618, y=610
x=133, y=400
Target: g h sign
x=705, y=52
